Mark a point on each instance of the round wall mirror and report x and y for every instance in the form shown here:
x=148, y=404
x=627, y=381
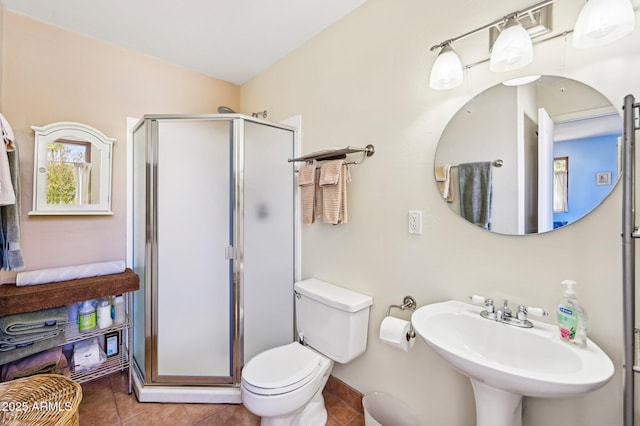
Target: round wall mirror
x=530, y=158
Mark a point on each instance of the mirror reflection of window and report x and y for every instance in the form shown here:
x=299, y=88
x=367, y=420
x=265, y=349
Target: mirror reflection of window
x=68, y=172
x=561, y=184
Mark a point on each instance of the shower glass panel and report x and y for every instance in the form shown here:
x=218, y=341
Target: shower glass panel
x=193, y=230
x=268, y=232
x=139, y=214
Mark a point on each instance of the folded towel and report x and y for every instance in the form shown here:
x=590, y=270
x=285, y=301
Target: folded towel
x=9, y=342
x=334, y=176
x=330, y=172
x=443, y=179
x=474, y=180
x=307, y=175
x=34, y=322
x=65, y=273
x=48, y=361
x=39, y=346
x=306, y=182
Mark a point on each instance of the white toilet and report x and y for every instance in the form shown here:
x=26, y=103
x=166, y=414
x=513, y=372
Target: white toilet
x=284, y=385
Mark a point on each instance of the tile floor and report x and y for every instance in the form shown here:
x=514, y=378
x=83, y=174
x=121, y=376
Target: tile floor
x=106, y=401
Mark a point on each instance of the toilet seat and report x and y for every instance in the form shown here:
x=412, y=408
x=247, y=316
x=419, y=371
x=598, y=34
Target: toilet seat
x=280, y=370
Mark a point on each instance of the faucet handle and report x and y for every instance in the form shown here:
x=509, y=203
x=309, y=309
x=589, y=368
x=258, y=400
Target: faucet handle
x=488, y=303
x=477, y=299
x=536, y=312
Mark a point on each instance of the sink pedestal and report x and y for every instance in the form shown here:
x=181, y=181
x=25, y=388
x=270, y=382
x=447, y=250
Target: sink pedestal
x=495, y=407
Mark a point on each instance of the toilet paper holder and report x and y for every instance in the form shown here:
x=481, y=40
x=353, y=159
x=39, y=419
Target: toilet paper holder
x=407, y=303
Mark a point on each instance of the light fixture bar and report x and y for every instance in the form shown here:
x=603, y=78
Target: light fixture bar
x=516, y=14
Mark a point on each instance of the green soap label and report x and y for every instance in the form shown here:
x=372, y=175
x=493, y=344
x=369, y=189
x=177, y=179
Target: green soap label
x=87, y=321
x=567, y=322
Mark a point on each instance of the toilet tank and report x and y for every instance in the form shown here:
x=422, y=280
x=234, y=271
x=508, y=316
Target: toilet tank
x=333, y=320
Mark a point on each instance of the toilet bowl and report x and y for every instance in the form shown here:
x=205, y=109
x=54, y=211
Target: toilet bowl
x=284, y=385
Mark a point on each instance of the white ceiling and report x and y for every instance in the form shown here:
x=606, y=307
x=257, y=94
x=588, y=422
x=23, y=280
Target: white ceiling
x=232, y=40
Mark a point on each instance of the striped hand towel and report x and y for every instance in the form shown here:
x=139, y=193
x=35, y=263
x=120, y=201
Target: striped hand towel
x=306, y=182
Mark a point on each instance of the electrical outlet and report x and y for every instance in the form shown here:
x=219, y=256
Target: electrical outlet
x=415, y=222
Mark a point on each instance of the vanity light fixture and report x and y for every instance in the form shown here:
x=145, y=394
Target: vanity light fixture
x=446, y=72
x=513, y=48
x=603, y=21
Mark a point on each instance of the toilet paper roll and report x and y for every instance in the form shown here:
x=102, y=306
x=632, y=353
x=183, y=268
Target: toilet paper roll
x=395, y=332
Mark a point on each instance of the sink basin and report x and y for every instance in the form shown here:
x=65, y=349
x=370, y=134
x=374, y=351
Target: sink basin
x=505, y=362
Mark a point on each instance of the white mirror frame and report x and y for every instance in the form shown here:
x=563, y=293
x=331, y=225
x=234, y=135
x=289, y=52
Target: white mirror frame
x=71, y=131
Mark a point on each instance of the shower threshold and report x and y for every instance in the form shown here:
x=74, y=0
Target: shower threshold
x=185, y=394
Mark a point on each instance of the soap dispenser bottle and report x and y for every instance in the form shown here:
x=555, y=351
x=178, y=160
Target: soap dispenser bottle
x=572, y=318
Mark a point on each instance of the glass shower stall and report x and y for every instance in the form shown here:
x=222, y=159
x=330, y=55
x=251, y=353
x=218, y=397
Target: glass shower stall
x=214, y=245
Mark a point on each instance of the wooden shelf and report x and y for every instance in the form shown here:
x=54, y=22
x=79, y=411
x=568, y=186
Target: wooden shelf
x=17, y=300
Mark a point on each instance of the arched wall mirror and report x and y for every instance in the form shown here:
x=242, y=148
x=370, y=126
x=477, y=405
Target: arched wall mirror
x=530, y=158
x=72, y=170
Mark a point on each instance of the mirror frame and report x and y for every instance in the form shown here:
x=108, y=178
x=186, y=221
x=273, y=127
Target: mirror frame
x=72, y=131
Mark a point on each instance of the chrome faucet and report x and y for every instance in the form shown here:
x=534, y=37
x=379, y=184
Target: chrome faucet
x=505, y=315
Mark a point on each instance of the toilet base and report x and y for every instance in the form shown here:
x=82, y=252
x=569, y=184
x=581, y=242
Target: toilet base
x=314, y=413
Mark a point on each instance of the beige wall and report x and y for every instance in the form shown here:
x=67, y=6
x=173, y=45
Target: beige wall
x=365, y=80
x=54, y=75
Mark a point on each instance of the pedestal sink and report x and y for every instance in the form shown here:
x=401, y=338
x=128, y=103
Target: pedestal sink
x=505, y=363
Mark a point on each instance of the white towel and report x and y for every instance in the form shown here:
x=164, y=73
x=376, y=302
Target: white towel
x=7, y=133
x=66, y=273
x=7, y=193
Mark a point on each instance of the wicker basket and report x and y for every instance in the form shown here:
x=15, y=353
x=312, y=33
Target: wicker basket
x=43, y=399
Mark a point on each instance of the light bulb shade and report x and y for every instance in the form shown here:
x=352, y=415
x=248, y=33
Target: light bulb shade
x=446, y=72
x=602, y=21
x=513, y=49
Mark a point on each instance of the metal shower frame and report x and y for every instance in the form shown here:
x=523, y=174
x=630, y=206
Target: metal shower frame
x=629, y=233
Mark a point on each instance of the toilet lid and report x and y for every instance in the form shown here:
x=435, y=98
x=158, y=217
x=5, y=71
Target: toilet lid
x=284, y=368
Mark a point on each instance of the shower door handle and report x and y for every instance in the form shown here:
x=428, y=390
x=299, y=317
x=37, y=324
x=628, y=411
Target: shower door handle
x=228, y=252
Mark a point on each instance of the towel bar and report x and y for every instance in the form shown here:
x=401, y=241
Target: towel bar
x=496, y=163
x=333, y=154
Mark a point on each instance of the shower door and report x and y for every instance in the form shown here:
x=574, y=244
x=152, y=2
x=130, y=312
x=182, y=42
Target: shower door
x=193, y=311
x=213, y=244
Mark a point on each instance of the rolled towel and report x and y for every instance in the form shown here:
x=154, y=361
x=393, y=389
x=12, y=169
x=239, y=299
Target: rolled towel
x=65, y=273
